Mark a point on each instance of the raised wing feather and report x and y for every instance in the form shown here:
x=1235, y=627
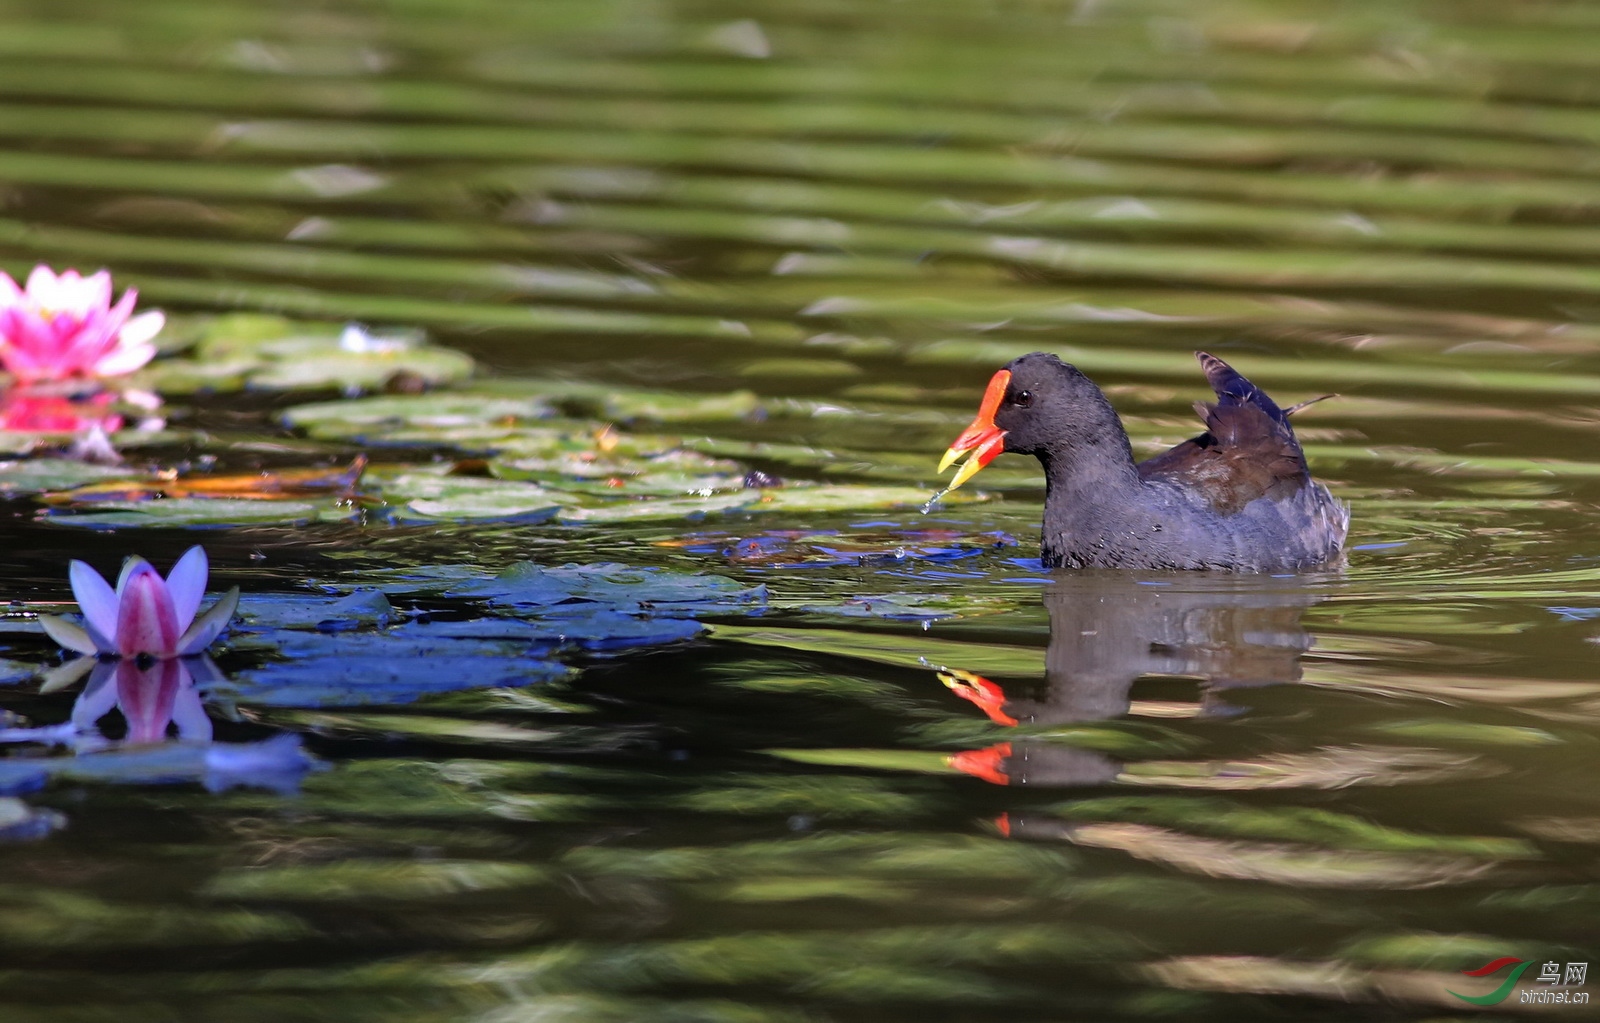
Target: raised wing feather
x=1248, y=450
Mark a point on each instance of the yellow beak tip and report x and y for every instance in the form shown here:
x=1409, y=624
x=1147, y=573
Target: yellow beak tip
x=949, y=459
x=968, y=470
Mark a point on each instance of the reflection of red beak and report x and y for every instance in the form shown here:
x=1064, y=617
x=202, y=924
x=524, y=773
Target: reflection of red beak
x=984, y=763
x=990, y=698
x=984, y=439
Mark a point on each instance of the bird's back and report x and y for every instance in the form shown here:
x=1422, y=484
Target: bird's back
x=1249, y=470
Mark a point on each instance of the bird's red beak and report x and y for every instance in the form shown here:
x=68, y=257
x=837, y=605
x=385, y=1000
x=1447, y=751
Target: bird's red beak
x=984, y=439
x=990, y=698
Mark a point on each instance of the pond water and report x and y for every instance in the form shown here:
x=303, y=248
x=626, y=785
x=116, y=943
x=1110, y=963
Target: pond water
x=783, y=747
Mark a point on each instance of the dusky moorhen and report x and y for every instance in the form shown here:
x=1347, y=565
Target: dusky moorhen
x=1238, y=498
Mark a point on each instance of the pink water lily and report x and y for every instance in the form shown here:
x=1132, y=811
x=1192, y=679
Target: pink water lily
x=146, y=615
x=151, y=696
x=64, y=325
x=24, y=411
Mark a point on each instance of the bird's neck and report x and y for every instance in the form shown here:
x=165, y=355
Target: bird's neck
x=1092, y=465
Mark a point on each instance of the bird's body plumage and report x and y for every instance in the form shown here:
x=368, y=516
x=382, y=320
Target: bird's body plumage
x=1238, y=497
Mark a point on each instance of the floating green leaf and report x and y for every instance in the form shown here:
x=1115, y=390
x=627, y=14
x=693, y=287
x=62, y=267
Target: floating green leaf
x=268, y=611
x=530, y=588
x=36, y=475
x=277, y=354
x=181, y=512
x=428, y=496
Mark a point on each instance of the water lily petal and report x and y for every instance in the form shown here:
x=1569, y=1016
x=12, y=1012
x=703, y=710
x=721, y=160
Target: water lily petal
x=146, y=620
x=143, y=327
x=41, y=285
x=76, y=294
x=98, y=336
x=129, y=566
x=189, y=711
x=187, y=584
x=124, y=360
x=96, y=599
x=95, y=291
x=64, y=675
x=71, y=636
x=146, y=694
x=98, y=698
x=209, y=626
x=204, y=671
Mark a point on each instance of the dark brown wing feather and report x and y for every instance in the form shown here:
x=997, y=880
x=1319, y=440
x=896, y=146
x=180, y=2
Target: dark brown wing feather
x=1248, y=450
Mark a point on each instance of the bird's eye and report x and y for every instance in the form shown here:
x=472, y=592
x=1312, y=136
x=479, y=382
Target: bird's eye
x=1022, y=399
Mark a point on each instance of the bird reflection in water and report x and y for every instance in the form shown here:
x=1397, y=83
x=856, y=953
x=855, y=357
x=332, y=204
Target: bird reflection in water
x=156, y=698
x=1109, y=630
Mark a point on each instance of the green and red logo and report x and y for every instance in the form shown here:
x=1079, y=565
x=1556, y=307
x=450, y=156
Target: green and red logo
x=1499, y=994
x=1553, y=985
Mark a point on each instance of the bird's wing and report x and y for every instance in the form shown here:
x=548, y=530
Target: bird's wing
x=1248, y=450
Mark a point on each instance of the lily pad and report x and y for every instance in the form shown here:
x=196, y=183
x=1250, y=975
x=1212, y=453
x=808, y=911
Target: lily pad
x=266, y=611
x=423, y=495
x=279, y=485
x=272, y=353
x=36, y=475
x=588, y=482
x=360, y=370
x=790, y=548
x=528, y=588
x=576, y=471
x=364, y=670
x=612, y=402
x=503, y=404
x=583, y=628
x=371, y=418
x=634, y=465
x=846, y=497
x=181, y=512
x=837, y=463
x=426, y=496
x=692, y=509
x=335, y=652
